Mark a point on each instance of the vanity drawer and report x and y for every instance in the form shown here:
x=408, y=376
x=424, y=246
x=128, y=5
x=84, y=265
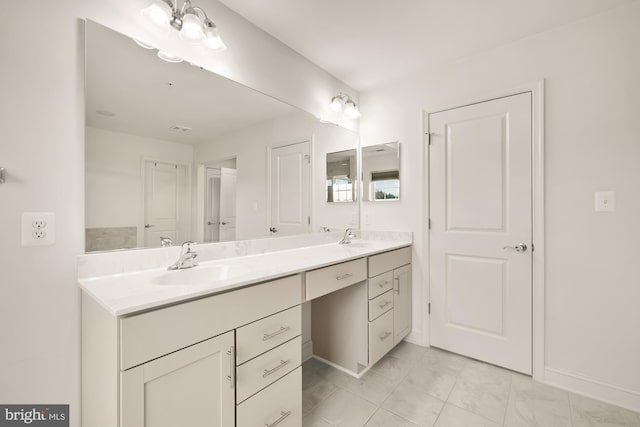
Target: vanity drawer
x=328, y=279
x=380, y=305
x=386, y=261
x=263, y=335
x=380, y=336
x=155, y=333
x=380, y=284
x=280, y=401
x=258, y=373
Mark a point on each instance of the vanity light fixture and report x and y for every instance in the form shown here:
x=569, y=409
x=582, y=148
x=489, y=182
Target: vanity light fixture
x=191, y=21
x=343, y=101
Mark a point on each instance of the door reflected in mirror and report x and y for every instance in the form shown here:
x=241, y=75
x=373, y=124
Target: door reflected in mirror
x=342, y=171
x=174, y=152
x=381, y=172
x=216, y=205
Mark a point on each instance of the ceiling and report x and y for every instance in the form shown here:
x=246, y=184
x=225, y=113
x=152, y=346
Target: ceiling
x=370, y=43
x=148, y=96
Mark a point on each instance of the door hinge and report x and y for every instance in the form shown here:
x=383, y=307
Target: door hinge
x=429, y=308
x=533, y=248
x=428, y=138
x=309, y=220
x=429, y=223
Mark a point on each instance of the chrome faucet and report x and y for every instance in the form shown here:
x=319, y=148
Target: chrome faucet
x=165, y=242
x=348, y=235
x=187, y=257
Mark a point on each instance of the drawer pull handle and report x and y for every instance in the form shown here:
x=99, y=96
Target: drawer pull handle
x=385, y=336
x=232, y=366
x=282, y=330
x=397, y=279
x=383, y=304
x=282, y=364
x=283, y=415
x=383, y=284
x=343, y=276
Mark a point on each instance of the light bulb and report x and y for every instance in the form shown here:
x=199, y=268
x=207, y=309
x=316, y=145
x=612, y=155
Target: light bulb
x=351, y=110
x=212, y=37
x=166, y=56
x=191, y=28
x=336, y=104
x=159, y=13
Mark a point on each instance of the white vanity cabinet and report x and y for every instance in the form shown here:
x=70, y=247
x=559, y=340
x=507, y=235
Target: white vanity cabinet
x=233, y=359
x=268, y=371
x=389, y=293
x=191, y=387
x=401, y=303
x=176, y=365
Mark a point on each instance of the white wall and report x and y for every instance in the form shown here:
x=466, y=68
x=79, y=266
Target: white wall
x=42, y=147
x=113, y=176
x=250, y=147
x=592, y=109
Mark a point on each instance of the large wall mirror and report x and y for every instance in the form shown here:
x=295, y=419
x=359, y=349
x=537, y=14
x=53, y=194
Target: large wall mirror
x=381, y=172
x=176, y=152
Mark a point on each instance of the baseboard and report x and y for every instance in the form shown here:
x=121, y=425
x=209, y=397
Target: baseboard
x=590, y=387
x=343, y=369
x=418, y=338
x=307, y=350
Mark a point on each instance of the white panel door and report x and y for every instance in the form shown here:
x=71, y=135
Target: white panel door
x=165, y=202
x=480, y=211
x=290, y=188
x=227, y=204
x=191, y=387
x=212, y=205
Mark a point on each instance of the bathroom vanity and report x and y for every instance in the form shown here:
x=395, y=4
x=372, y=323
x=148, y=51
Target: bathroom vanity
x=221, y=344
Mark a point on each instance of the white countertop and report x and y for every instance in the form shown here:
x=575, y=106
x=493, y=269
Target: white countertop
x=128, y=293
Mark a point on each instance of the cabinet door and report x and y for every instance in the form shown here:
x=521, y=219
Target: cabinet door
x=191, y=387
x=401, y=303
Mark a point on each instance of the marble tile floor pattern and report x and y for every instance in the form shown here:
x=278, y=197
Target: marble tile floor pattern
x=414, y=386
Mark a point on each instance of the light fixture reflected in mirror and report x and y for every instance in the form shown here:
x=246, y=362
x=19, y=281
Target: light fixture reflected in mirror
x=166, y=56
x=191, y=21
x=344, y=102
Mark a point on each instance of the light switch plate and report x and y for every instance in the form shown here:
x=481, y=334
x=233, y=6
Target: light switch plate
x=38, y=228
x=605, y=201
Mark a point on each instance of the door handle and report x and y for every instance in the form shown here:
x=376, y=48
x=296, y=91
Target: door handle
x=273, y=230
x=224, y=223
x=149, y=225
x=211, y=223
x=520, y=247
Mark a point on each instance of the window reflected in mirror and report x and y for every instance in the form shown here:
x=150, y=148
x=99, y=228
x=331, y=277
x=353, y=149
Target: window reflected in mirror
x=341, y=176
x=381, y=172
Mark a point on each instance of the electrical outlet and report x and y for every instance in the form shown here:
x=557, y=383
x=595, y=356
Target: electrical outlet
x=39, y=223
x=39, y=234
x=38, y=228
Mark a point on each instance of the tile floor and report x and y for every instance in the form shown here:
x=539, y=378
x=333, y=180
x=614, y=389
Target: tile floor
x=415, y=386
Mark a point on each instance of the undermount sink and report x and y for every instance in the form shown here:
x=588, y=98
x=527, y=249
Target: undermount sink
x=193, y=276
